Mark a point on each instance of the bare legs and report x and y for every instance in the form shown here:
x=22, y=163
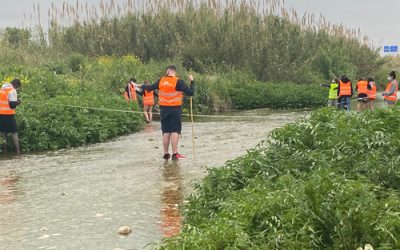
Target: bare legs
x=148, y=113
x=371, y=104
x=15, y=140
x=4, y=143
x=173, y=139
x=16, y=143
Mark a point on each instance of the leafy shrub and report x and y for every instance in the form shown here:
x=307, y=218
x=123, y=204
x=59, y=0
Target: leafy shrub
x=45, y=120
x=330, y=181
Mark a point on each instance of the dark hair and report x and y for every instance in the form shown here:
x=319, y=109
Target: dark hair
x=393, y=74
x=172, y=67
x=370, y=79
x=16, y=83
x=344, y=78
x=132, y=80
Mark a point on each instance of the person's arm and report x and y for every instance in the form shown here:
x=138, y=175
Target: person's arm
x=181, y=86
x=326, y=85
x=13, y=99
x=141, y=93
x=151, y=87
x=338, y=90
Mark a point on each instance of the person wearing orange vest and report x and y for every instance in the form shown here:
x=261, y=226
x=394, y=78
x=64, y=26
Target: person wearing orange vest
x=131, y=89
x=362, y=97
x=390, y=94
x=372, y=89
x=170, y=97
x=345, y=92
x=8, y=103
x=148, y=102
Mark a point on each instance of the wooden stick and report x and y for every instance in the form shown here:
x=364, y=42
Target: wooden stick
x=192, y=121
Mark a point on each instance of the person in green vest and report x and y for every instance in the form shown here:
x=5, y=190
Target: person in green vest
x=333, y=87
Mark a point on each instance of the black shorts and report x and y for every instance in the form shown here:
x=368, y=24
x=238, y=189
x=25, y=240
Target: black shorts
x=171, y=119
x=8, y=124
x=362, y=98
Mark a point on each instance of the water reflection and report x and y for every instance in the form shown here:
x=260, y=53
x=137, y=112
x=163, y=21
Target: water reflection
x=172, y=197
x=7, y=189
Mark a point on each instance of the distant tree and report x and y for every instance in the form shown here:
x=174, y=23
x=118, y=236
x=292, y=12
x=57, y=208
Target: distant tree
x=16, y=37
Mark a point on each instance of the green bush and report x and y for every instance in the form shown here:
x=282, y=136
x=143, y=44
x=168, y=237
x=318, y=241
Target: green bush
x=45, y=120
x=330, y=181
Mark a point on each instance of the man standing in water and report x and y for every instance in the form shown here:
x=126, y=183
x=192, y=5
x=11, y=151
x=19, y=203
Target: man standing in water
x=8, y=103
x=170, y=95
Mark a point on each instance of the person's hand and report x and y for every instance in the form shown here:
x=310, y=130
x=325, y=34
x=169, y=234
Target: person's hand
x=19, y=101
x=191, y=78
x=383, y=94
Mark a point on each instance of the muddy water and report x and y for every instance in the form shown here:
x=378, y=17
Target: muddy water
x=77, y=199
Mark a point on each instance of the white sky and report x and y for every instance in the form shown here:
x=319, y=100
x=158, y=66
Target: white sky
x=378, y=19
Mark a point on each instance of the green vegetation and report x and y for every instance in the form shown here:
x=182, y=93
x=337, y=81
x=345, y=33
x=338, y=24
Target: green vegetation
x=217, y=35
x=45, y=123
x=243, y=58
x=330, y=181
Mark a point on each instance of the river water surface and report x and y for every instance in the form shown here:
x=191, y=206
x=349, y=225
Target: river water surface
x=77, y=199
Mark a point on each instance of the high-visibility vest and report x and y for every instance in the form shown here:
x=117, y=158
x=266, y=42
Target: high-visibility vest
x=345, y=89
x=333, y=91
x=362, y=87
x=372, y=92
x=5, y=108
x=148, y=98
x=167, y=95
x=393, y=97
x=131, y=94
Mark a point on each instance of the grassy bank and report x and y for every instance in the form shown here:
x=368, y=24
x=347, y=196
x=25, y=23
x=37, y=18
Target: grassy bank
x=46, y=123
x=330, y=181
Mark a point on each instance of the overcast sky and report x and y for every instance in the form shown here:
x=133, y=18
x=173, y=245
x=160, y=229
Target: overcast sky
x=378, y=19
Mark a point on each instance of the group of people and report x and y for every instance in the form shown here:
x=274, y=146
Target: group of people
x=341, y=91
x=170, y=91
x=133, y=89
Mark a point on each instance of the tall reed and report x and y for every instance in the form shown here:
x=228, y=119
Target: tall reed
x=265, y=37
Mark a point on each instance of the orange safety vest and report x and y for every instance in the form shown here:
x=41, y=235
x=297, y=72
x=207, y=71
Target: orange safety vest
x=372, y=92
x=393, y=97
x=131, y=94
x=4, y=102
x=362, y=87
x=148, y=98
x=167, y=95
x=345, y=89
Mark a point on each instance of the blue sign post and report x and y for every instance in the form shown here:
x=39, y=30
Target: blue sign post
x=394, y=48
x=391, y=49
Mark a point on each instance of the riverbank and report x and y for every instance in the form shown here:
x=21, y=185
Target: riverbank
x=329, y=181
x=78, y=198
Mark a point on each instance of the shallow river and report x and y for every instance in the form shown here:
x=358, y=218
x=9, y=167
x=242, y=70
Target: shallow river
x=77, y=199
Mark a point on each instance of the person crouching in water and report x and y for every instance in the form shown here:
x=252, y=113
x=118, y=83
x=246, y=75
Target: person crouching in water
x=372, y=89
x=390, y=94
x=8, y=103
x=345, y=92
x=362, y=97
x=333, y=97
x=148, y=102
